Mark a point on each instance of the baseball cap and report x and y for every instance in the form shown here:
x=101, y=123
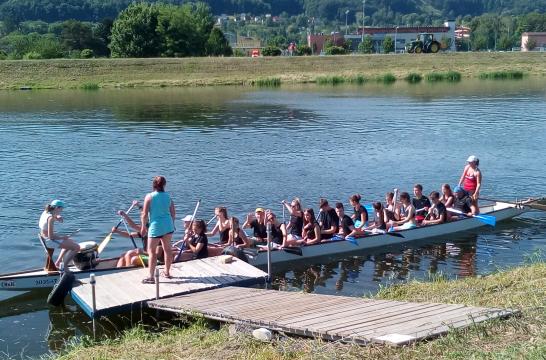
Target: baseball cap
x=259, y=209
x=472, y=158
x=57, y=203
x=187, y=218
x=458, y=189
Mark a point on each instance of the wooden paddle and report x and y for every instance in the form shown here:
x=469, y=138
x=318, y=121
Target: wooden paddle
x=183, y=246
x=108, y=237
x=486, y=219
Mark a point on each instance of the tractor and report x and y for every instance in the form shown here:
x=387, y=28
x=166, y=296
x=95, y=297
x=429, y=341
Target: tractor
x=424, y=43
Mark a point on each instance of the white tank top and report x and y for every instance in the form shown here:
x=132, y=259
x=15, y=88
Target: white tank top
x=43, y=222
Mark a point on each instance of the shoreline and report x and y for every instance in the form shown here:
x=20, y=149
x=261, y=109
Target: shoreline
x=521, y=336
x=270, y=71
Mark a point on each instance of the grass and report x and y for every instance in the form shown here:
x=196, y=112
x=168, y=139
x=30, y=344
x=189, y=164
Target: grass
x=451, y=76
x=413, y=78
x=518, y=337
x=387, y=78
x=502, y=75
x=110, y=73
x=330, y=80
x=268, y=82
x=89, y=86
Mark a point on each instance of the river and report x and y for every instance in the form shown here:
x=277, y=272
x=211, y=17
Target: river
x=248, y=147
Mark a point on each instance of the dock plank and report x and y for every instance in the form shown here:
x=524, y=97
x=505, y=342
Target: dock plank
x=329, y=317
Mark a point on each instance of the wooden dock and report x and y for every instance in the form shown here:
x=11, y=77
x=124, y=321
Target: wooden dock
x=124, y=290
x=329, y=317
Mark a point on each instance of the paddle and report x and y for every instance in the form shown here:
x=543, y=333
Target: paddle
x=382, y=232
x=486, y=219
x=108, y=237
x=350, y=239
x=532, y=203
x=183, y=246
x=290, y=250
x=129, y=233
x=211, y=219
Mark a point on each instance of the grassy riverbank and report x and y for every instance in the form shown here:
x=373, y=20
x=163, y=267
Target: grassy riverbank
x=97, y=73
x=519, y=337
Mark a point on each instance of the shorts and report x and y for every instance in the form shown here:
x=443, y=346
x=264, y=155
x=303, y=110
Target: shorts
x=408, y=226
x=295, y=236
x=58, y=242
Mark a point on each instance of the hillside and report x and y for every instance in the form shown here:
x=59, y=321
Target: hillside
x=378, y=12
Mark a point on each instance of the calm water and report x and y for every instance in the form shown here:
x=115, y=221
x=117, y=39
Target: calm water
x=243, y=148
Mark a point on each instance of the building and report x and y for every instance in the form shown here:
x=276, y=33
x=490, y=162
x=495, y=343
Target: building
x=402, y=35
x=533, y=41
x=246, y=44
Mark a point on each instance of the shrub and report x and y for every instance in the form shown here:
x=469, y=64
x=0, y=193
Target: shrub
x=239, y=53
x=32, y=55
x=89, y=86
x=3, y=55
x=502, y=75
x=413, y=78
x=387, y=78
x=86, y=54
x=330, y=80
x=268, y=82
x=358, y=79
x=304, y=50
x=335, y=50
x=271, y=51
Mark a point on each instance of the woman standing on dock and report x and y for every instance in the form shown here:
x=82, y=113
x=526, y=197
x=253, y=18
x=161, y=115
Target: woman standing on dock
x=159, y=212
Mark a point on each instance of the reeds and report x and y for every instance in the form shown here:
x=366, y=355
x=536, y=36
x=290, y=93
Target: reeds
x=502, y=75
x=268, y=82
x=413, y=78
x=451, y=76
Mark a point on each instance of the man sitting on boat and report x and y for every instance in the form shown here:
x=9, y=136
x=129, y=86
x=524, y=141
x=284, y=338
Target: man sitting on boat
x=407, y=215
x=256, y=222
x=346, y=224
x=437, y=214
x=420, y=202
x=328, y=220
x=463, y=203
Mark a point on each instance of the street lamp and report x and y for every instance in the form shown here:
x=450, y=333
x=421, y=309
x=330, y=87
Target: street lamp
x=395, y=36
x=346, y=13
x=363, y=17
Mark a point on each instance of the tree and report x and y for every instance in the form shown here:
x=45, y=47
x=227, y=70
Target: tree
x=303, y=50
x=531, y=44
x=388, y=45
x=271, y=51
x=76, y=35
x=217, y=44
x=366, y=46
x=134, y=32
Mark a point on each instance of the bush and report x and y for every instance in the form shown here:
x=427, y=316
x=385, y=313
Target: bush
x=502, y=75
x=330, y=80
x=413, y=78
x=268, y=82
x=3, y=55
x=86, y=54
x=335, y=50
x=387, y=78
x=304, y=50
x=32, y=55
x=358, y=79
x=271, y=51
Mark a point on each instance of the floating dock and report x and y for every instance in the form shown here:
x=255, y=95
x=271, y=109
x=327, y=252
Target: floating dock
x=329, y=317
x=124, y=290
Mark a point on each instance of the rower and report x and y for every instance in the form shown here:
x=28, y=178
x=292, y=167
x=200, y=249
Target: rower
x=346, y=224
x=256, y=221
x=328, y=220
x=437, y=213
x=463, y=202
x=407, y=215
x=420, y=202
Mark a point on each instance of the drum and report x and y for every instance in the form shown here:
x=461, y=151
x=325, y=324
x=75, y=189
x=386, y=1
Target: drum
x=87, y=257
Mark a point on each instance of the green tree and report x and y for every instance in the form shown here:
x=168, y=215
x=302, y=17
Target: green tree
x=76, y=35
x=217, y=44
x=134, y=32
x=271, y=51
x=303, y=50
x=388, y=45
x=366, y=46
x=531, y=44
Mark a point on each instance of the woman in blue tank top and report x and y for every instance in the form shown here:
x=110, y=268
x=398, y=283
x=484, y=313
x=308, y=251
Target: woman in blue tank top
x=159, y=213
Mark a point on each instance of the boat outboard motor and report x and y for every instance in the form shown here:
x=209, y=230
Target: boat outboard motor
x=235, y=252
x=87, y=257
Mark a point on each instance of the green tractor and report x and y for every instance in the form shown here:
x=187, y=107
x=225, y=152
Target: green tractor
x=424, y=43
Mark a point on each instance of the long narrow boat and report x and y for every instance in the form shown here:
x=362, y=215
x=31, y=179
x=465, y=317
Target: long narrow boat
x=38, y=278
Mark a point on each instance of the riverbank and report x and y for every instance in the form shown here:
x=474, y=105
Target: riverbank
x=105, y=73
x=522, y=336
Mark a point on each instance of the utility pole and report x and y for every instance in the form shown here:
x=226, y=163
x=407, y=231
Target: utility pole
x=363, y=17
x=346, y=29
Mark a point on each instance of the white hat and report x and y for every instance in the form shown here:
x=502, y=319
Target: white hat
x=472, y=158
x=187, y=218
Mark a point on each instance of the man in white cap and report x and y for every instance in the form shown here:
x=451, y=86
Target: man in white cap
x=471, y=178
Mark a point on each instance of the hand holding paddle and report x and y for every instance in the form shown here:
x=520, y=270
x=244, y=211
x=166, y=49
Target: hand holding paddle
x=183, y=246
x=108, y=237
x=486, y=219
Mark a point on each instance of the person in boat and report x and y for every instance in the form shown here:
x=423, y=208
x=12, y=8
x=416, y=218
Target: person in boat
x=133, y=256
x=407, y=214
x=381, y=218
x=222, y=225
x=295, y=226
x=420, y=202
x=311, y=228
x=278, y=229
x=360, y=215
x=392, y=208
x=237, y=236
x=198, y=242
x=437, y=214
x=447, y=196
x=328, y=220
x=463, y=203
x=346, y=224
x=69, y=248
x=159, y=213
x=471, y=178
x=256, y=222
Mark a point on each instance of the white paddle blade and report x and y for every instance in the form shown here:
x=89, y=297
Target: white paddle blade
x=104, y=242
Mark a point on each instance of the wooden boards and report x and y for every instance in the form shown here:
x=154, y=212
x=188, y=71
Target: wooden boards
x=329, y=317
x=120, y=291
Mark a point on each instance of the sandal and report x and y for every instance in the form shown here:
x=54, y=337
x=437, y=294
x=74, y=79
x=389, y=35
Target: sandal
x=148, y=281
x=165, y=275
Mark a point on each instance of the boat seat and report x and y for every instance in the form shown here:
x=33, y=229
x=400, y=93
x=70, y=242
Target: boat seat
x=50, y=264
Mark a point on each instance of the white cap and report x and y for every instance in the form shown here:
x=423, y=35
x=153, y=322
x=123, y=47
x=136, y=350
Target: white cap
x=472, y=158
x=187, y=218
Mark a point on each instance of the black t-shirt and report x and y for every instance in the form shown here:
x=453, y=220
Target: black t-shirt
x=328, y=219
x=311, y=232
x=438, y=211
x=462, y=204
x=276, y=234
x=359, y=211
x=346, y=224
x=296, y=225
x=200, y=239
x=260, y=230
x=224, y=236
x=420, y=203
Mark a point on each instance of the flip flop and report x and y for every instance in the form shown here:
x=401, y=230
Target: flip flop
x=148, y=281
x=166, y=276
